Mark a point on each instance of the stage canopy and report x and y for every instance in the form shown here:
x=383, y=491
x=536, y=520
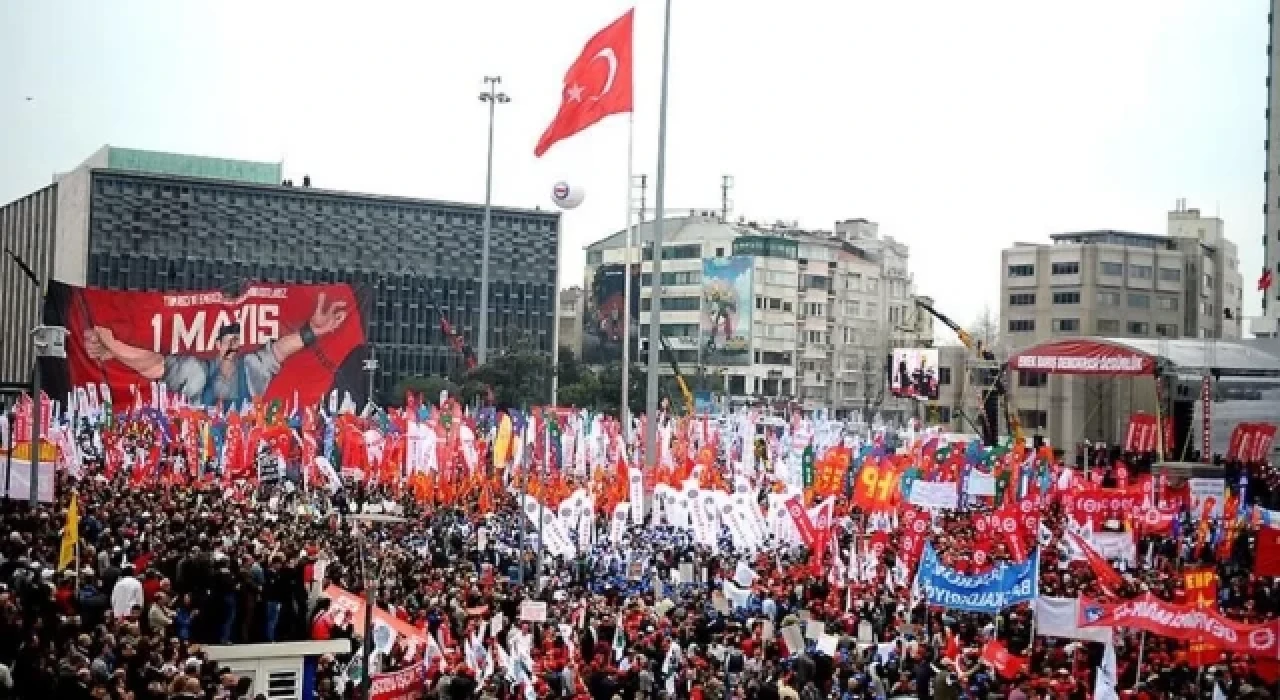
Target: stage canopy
x=1140, y=356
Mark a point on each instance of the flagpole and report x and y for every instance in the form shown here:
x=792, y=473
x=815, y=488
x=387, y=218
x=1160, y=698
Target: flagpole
x=624, y=409
x=655, y=286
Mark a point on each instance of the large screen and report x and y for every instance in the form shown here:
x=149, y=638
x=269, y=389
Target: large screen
x=603, y=315
x=260, y=342
x=913, y=373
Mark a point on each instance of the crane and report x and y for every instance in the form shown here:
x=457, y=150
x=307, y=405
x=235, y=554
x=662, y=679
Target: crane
x=675, y=369
x=990, y=408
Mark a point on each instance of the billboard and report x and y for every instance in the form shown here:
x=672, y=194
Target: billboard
x=726, y=310
x=913, y=373
x=261, y=342
x=602, y=315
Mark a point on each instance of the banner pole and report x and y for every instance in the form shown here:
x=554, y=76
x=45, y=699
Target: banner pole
x=624, y=408
x=1142, y=648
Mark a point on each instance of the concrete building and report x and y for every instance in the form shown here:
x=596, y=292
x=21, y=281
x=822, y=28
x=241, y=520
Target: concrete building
x=572, y=301
x=1113, y=284
x=823, y=309
x=1269, y=324
x=140, y=220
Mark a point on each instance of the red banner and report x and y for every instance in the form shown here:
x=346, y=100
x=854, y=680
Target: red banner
x=405, y=684
x=1094, y=357
x=998, y=657
x=803, y=524
x=347, y=604
x=878, y=486
x=1183, y=622
x=1095, y=503
x=1201, y=585
x=1251, y=442
x=1141, y=435
x=265, y=343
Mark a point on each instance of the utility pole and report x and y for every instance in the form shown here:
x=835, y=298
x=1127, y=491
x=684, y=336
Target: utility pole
x=494, y=98
x=655, y=287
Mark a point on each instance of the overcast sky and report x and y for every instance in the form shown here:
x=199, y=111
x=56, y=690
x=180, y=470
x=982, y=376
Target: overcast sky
x=960, y=127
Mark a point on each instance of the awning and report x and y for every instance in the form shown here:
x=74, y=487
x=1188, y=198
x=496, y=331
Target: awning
x=1096, y=357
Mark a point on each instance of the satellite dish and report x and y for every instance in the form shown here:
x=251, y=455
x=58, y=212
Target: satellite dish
x=566, y=196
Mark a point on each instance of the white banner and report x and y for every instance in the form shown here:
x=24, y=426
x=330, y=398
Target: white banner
x=552, y=535
x=618, y=524
x=1202, y=492
x=980, y=484
x=636, y=484
x=1056, y=617
x=587, y=524
x=934, y=494
x=740, y=512
x=698, y=514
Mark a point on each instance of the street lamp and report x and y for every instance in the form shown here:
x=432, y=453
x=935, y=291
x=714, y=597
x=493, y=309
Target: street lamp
x=46, y=341
x=493, y=98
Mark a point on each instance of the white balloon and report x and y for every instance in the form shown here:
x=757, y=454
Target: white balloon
x=567, y=196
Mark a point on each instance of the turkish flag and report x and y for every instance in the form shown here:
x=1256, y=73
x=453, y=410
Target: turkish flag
x=596, y=85
x=1266, y=559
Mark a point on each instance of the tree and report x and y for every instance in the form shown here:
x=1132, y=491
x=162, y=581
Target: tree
x=428, y=387
x=985, y=328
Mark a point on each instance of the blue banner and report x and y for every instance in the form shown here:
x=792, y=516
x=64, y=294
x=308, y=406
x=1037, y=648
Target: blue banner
x=989, y=592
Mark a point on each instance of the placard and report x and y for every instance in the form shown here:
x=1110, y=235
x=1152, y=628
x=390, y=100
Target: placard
x=533, y=611
x=814, y=629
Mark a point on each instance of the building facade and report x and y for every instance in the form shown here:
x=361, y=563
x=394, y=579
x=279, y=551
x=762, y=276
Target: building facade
x=1113, y=284
x=818, y=314
x=1270, y=325
x=137, y=220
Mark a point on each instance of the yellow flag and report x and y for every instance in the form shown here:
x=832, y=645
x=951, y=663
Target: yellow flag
x=70, y=533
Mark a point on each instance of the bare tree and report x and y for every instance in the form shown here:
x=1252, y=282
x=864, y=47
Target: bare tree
x=985, y=328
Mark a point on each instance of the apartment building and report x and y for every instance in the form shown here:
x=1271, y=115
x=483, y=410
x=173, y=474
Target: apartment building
x=1114, y=284
x=812, y=314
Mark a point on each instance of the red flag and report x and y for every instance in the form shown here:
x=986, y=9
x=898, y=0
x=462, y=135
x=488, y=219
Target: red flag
x=1266, y=560
x=1264, y=282
x=998, y=657
x=596, y=85
x=1106, y=575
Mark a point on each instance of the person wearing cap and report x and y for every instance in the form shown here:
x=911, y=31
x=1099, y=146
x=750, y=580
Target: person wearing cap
x=233, y=375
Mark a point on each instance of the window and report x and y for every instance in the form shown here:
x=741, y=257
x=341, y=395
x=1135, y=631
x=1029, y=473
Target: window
x=1035, y=420
x=853, y=281
x=873, y=310
x=1021, y=325
x=1167, y=303
x=688, y=251
x=775, y=358
x=873, y=283
x=944, y=376
x=1022, y=300
x=1066, y=297
x=1137, y=328
x=595, y=257
x=719, y=254
x=814, y=336
x=1139, y=301
x=780, y=331
x=759, y=302
x=1167, y=330
x=1108, y=325
x=775, y=304
x=786, y=306
x=853, y=308
x=1111, y=269
x=944, y=414
x=1064, y=268
x=1170, y=274
x=813, y=309
x=1033, y=379
x=1066, y=325
x=673, y=278
x=1108, y=298
x=672, y=304
x=1139, y=272
x=1022, y=270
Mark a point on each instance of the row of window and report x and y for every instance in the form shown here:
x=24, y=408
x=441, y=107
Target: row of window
x=1104, y=327
x=671, y=279
x=1105, y=269
x=1136, y=301
x=673, y=303
x=687, y=251
x=772, y=304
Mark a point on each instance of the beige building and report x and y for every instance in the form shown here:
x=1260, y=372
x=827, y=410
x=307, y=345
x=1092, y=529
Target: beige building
x=1113, y=284
x=826, y=308
x=570, y=319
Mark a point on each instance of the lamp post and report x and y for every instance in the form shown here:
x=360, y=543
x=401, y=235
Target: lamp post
x=493, y=98
x=46, y=341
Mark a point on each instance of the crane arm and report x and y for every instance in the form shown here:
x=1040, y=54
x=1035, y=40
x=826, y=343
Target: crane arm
x=675, y=369
x=965, y=337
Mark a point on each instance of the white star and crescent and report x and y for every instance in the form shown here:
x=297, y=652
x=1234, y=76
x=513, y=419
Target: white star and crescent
x=575, y=91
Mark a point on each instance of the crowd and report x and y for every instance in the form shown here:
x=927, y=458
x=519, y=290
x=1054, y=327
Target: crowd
x=163, y=571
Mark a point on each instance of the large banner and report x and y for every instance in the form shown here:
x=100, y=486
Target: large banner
x=1185, y=622
x=989, y=592
x=263, y=342
x=913, y=373
x=603, y=314
x=726, y=310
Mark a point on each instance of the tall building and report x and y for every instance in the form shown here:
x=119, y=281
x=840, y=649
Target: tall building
x=1114, y=284
x=770, y=314
x=140, y=220
x=1271, y=178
